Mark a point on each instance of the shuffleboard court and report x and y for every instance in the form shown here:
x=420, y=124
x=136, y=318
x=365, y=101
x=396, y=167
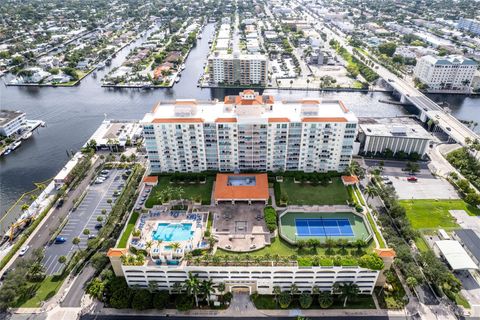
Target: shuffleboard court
x=323, y=227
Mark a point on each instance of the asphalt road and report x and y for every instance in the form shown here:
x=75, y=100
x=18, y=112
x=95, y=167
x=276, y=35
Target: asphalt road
x=76, y=292
x=85, y=217
x=53, y=222
x=116, y=317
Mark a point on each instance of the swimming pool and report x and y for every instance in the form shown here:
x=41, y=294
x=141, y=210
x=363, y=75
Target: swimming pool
x=173, y=232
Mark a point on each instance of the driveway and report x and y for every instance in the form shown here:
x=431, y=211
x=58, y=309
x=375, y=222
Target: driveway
x=85, y=217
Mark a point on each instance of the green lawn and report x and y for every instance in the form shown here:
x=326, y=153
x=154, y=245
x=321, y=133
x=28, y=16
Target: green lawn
x=421, y=244
x=202, y=190
x=47, y=289
x=461, y=301
x=128, y=230
x=433, y=214
x=284, y=249
x=307, y=194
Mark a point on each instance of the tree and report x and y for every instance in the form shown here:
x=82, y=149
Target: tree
x=293, y=289
x=160, y=299
x=412, y=282
x=99, y=260
x=192, y=286
x=207, y=288
x=109, y=201
x=305, y=300
x=100, y=218
x=371, y=191
x=221, y=287
x=24, y=207
x=36, y=272
x=142, y=299
x=95, y=288
x=62, y=259
x=276, y=292
x=86, y=232
x=345, y=290
x=76, y=241
x=284, y=299
x=387, y=48
x=301, y=244
x=412, y=167
x=325, y=300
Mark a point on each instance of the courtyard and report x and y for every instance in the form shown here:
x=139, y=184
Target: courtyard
x=330, y=193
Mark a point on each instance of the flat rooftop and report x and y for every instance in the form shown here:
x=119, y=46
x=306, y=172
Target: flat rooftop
x=7, y=115
x=393, y=127
x=245, y=186
x=249, y=107
x=470, y=239
x=455, y=254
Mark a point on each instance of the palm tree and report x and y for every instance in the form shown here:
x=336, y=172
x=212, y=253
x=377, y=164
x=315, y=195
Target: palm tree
x=345, y=290
x=308, y=82
x=293, y=289
x=325, y=300
x=177, y=287
x=24, y=207
x=152, y=286
x=86, y=232
x=62, y=259
x=76, y=241
x=192, y=286
x=315, y=290
x=329, y=243
x=109, y=201
x=276, y=258
x=148, y=246
x=371, y=191
x=207, y=288
x=276, y=292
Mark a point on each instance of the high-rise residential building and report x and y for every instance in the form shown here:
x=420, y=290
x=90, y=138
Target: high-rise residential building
x=237, y=69
x=249, y=132
x=451, y=72
x=469, y=25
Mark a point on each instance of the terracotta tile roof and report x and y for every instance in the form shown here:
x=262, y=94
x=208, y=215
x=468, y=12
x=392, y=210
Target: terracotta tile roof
x=116, y=252
x=319, y=119
x=248, y=91
x=386, y=253
x=179, y=120
x=186, y=102
x=150, y=179
x=345, y=109
x=232, y=120
x=349, y=180
x=310, y=101
x=257, y=192
x=278, y=120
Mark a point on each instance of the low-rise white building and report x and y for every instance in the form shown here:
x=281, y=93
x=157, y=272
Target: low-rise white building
x=377, y=135
x=11, y=122
x=451, y=72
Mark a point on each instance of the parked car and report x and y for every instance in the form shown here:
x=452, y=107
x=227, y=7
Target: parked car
x=388, y=182
x=59, y=240
x=23, y=250
x=91, y=236
x=98, y=226
x=60, y=203
x=412, y=179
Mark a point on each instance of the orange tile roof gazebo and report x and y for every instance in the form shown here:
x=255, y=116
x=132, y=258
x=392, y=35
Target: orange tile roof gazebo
x=255, y=189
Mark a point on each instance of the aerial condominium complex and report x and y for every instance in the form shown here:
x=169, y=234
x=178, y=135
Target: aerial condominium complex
x=238, y=69
x=452, y=72
x=249, y=132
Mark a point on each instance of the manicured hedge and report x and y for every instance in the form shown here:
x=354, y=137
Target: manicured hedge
x=270, y=218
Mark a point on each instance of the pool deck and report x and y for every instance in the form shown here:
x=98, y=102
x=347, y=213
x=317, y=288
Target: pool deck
x=148, y=224
x=240, y=227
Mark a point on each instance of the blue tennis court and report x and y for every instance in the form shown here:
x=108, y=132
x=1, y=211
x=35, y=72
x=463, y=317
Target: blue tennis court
x=323, y=227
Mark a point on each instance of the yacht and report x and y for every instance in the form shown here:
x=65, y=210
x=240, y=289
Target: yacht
x=7, y=152
x=27, y=135
x=182, y=67
x=15, y=145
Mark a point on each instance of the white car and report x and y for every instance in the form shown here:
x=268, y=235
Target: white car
x=24, y=250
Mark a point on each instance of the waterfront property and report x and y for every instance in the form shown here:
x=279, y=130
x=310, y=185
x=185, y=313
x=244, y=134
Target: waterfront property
x=11, y=122
x=249, y=132
x=323, y=223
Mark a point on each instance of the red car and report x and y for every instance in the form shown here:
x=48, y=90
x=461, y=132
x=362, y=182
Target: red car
x=412, y=179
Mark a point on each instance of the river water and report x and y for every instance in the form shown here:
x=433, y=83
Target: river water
x=73, y=114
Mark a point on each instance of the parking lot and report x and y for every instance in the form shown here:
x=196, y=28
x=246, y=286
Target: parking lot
x=84, y=217
x=427, y=185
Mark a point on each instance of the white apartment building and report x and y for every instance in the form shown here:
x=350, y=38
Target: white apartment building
x=376, y=135
x=451, y=72
x=238, y=69
x=469, y=25
x=259, y=279
x=249, y=132
x=11, y=122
